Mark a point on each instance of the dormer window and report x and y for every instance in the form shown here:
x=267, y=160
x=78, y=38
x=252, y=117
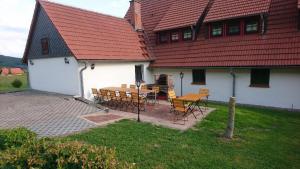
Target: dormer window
x=217, y=29
x=233, y=28
x=251, y=25
x=187, y=34
x=175, y=36
x=45, y=46
x=163, y=37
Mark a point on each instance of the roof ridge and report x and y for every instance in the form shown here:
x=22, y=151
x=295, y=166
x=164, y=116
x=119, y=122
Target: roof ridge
x=78, y=8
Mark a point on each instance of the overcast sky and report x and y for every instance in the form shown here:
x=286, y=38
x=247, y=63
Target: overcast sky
x=16, y=15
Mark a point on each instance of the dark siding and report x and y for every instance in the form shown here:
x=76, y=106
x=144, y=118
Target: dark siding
x=45, y=29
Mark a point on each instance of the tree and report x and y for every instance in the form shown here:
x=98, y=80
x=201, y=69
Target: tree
x=231, y=114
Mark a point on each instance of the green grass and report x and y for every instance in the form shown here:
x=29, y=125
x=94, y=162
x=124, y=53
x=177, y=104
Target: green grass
x=263, y=139
x=6, y=86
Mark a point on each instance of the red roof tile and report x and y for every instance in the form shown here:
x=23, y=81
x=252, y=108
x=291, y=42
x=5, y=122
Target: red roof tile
x=226, y=9
x=279, y=46
x=94, y=36
x=182, y=13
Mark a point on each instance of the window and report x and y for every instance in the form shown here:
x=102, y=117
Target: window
x=174, y=36
x=260, y=77
x=217, y=29
x=163, y=37
x=187, y=34
x=251, y=25
x=233, y=28
x=139, y=73
x=45, y=46
x=199, y=76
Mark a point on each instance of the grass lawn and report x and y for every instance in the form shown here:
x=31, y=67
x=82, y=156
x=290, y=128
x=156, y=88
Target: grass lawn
x=6, y=86
x=263, y=139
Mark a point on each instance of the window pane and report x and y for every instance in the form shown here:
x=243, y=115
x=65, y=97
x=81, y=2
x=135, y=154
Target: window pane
x=260, y=77
x=175, y=36
x=45, y=46
x=199, y=76
x=217, y=30
x=139, y=73
x=187, y=34
x=163, y=37
x=233, y=28
x=251, y=26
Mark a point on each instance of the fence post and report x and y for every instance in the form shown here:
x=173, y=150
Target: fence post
x=231, y=114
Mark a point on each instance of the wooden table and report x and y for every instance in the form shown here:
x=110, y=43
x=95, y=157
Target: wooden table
x=129, y=90
x=193, y=101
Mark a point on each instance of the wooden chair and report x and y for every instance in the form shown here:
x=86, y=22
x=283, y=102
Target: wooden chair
x=205, y=93
x=134, y=101
x=115, y=100
x=123, y=85
x=124, y=99
x=171, y=96
x=180, y=109
x=105, y=96
x=132, y=87
x=95, y=94
x=153, y=95
x=144, y=87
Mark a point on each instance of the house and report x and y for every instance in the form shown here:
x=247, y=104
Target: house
x=4, y=71
x=246, y=48
x=16, y=71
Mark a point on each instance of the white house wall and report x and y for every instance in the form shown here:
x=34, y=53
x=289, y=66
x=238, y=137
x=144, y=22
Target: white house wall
x=111, y=74
x=284, y=91
x=54, y=75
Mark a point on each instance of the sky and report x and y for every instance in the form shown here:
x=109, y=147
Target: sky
x=16, y=15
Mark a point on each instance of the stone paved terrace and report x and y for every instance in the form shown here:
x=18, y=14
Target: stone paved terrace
x=44, y=113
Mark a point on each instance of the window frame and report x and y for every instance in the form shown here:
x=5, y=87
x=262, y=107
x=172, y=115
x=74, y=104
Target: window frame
x=45, y=46
x=221, y=24
x=184, y=31
x=160, y=37
x=231, y=23
x=255, y=72
x=250, y=20
x=202, y=78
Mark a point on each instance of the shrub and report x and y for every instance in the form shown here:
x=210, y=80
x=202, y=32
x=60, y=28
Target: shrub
x=15, y=137
x=49, y=154
x=16, y=83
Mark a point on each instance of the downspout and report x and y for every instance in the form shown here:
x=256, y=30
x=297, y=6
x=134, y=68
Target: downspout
x=81, y=79
x=233, y=81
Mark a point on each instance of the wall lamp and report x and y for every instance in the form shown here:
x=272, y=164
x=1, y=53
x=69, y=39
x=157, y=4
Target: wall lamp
x=31, y=62
x=93, y=66
x=67, y=61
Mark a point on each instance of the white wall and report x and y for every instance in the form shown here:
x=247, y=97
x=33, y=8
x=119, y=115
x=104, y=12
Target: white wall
x=284, y=91
x=54, y=75
x=112, y=74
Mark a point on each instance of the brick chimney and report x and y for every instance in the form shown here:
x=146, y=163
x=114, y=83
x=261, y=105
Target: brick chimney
x=136, y=15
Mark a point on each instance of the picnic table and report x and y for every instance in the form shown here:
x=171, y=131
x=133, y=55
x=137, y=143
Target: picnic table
x=193, y=101
x=129, y=90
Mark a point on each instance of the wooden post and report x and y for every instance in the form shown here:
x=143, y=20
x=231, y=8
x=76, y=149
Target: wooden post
x=231, y=113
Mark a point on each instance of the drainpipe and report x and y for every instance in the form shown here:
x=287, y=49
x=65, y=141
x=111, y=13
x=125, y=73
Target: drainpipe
x=233, y=81
x=81, y=80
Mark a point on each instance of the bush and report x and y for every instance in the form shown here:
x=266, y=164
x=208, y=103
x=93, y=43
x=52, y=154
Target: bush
x=15, y=137
x=22, y=149
x=16, y=83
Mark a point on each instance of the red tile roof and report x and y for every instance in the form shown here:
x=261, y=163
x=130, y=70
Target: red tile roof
x=182, y=13
x=94, y=36
x=226, y=9
x=279, y=46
